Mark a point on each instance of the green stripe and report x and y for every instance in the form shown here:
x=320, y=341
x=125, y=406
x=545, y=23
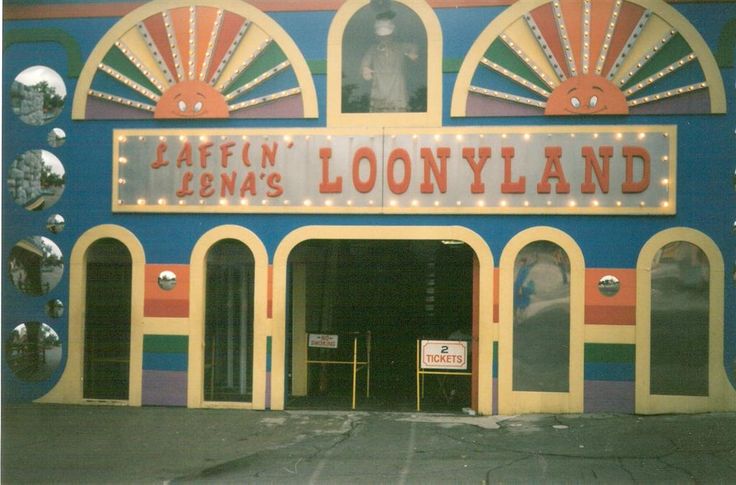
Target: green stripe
x=118, y=61
x=501, y=54
x=673, y=51
x=269, y=58
x=166, y=343
x=610, y=353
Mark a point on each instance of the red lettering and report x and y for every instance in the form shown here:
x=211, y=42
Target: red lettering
x=591, y=166
x=327, y=186
x=204, y=153
x=430, y=166
x=205, y=185
x=508, y=186
x=184, y=189
x=268, y=154
x=553, y=169
x=364, y=186
x=244, y=154
x=630, y=186
x=484, y=153
x=228, y=183
x=248, y=185
x=185, y=155
x=398, y=187
x=160, y=161
x=273, y=183
x=225, y=153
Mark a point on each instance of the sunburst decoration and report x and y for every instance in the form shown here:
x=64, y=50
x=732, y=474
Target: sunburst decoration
x=584, y=57
x=197, y=61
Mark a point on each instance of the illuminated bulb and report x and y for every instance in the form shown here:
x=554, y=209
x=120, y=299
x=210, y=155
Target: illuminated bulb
x=122, y=139
x=141, y=201
x=223, y=201
x=122, y=160
x=665, y=182
x=307, y=202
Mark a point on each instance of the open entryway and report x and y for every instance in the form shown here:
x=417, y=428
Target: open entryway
x=358, y=307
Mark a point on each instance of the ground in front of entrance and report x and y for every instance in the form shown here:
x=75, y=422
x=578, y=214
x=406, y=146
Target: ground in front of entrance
x=88, y=444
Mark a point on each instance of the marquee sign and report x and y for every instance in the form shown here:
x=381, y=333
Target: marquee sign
x=478, y=170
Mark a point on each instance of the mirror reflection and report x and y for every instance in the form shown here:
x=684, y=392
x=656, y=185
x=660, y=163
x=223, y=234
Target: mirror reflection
x=55, y=223
x=55, y=308
x=36, y=265
x=541, y=318
x=167, y=280
x=56, y=137
x=33, y=351
x=36, y=180
x=37, y=95
x=384, y=60
x=609, y=285
x=680, y=320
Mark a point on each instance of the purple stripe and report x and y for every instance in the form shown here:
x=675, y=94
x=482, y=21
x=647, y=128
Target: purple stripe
x=164, y=388
x=99, y=109
x=289, y=107
x=479, y=105
x=696, y=102
x=609, y=397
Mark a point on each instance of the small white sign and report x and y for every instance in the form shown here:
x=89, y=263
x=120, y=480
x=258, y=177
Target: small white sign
x=444, y=354
x=323, y=341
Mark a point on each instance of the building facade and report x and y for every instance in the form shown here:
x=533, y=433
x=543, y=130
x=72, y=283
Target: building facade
x=509, y=207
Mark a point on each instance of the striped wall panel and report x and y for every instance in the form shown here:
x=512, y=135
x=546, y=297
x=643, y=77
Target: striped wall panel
x=165, y=365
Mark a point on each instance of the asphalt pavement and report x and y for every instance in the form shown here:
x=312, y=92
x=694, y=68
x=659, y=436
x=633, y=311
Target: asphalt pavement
x=94, y=444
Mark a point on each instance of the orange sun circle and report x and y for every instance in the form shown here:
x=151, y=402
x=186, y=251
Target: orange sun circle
x=587, y=94
x=191, y=99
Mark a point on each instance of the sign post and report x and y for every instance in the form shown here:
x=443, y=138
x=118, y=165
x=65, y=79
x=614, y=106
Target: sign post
x=441, y=357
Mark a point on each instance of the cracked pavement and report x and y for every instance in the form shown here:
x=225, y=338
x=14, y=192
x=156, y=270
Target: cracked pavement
x=85, y=444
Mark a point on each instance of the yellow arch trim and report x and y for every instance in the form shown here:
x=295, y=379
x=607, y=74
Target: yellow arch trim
x=431, y=118
x=659, y=7
x=284, y=41
x=510, y=401
x=722, y=396
x=69, y=388
x=197, y=299
x=415, y=233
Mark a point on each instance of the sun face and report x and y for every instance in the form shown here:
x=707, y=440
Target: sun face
x=196, y=61
x=191, y=99
x=586, y=95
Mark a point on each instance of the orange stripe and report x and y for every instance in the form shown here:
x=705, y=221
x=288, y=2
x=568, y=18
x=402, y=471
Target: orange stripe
x=155, y=308
x=88, y=10
x=269, y=293
x=610, y=315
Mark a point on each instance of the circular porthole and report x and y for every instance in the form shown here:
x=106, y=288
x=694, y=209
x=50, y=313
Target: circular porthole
x=36, y=265
x=37, y=95
x=33, y=351
x=36, y=180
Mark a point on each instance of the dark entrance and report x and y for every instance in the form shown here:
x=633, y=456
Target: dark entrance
x=107, y=321
x=399, y=292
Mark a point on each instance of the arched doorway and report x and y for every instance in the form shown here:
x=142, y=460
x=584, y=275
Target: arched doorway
x=107, y=321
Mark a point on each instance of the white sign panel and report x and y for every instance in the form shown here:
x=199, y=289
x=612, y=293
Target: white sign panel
x=479, y=170
x=323, y=341
x=444, y=354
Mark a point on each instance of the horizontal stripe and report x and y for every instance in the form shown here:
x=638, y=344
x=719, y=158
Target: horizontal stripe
x=609, y=372
x=610, y=353
x=608, y=397
x=166, y=308
x=164, y=361
x=610, y=315
x=166, y=344
x=163, y=388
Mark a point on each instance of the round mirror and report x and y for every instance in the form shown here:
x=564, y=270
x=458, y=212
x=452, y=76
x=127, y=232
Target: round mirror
x=167, y=280
x=55, y=308
x=36, y=265
x=55, y=223
x=36, y=180
x=33, y=351
x=37, y=95
x=56, y=137
x=608, y=285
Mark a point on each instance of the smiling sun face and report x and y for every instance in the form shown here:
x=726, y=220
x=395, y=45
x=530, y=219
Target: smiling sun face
x=587, y=95
x=191, y=99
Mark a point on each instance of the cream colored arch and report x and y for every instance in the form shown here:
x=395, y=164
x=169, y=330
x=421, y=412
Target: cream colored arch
x=197, y=301
x=513, y=402
x=69, y=389
x=383, y=233
x=722, y=396
x=431, y=118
